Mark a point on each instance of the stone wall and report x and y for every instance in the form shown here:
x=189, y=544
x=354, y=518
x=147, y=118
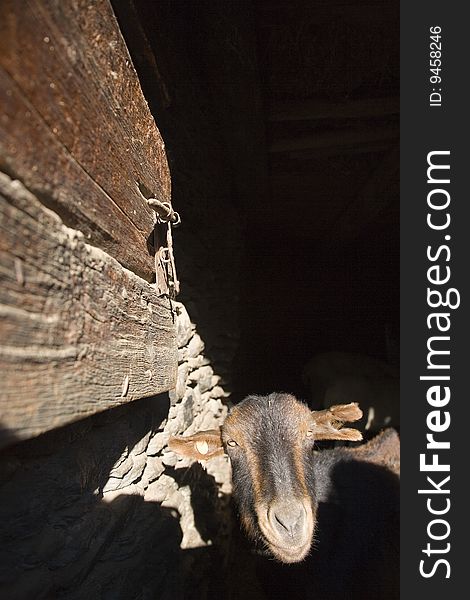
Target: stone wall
x=102, y=509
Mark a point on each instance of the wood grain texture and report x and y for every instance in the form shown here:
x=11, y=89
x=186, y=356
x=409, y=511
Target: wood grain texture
x=312, y=110
x=79, y=333
x=381, y=191
x=76, y=128
x=343, y=138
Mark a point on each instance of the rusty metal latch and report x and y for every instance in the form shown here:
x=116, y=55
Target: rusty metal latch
x=166, y=281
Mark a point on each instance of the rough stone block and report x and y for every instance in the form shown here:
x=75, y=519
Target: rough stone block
x=157, y=443
x=177, y=394
x=195, y=346
x=203, y=378
x=184, y=327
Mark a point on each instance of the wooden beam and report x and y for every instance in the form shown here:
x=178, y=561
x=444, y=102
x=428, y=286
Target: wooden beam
x=371, y=13
x=336, y=139
x=79, y=333
x=381, y=189
x=313, y=110
x=76, y=128
x=291, y=160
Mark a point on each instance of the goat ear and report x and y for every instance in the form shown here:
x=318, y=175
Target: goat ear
x=203, y=445
x=327, y=423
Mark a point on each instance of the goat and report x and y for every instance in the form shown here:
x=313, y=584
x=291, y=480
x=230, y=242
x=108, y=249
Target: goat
x=343, y=500
x=334, y=377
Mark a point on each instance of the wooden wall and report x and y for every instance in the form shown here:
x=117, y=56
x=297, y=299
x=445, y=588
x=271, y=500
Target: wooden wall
x=81, y=328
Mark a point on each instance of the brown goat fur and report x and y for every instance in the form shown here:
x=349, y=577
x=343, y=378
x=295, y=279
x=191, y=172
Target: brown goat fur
x=284, y=488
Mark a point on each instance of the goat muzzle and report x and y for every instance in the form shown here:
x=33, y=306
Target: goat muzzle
x=287, y=526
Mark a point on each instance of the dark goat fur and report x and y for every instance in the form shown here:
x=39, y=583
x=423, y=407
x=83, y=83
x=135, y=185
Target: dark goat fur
x=345, y=499
x=355, y=555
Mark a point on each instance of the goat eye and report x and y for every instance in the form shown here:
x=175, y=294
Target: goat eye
x=232, y=443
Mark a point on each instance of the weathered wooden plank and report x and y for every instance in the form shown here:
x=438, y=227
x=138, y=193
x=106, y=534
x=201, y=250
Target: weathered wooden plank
x=312, y=110
x=79, y=333
x=325, y=13
x=381, y=190
x=76, y=128
x=343, y=138
x=289, y=161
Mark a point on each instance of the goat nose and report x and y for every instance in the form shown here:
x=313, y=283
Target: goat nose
x=287, y=517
